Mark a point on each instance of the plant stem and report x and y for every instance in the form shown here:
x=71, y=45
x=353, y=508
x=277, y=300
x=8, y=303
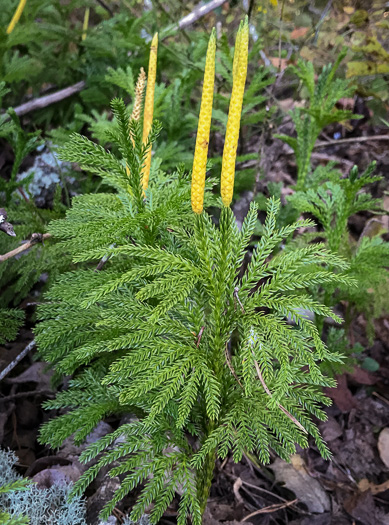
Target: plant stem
x=204, y=480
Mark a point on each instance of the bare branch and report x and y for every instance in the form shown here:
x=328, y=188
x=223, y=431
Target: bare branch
x=35, y=238
x=47, y=100
x=199, y=12
x=18, y=358
x=271, y=508
x=105, y=6
x=324, y=143
x=30, y=393
x=236, y=298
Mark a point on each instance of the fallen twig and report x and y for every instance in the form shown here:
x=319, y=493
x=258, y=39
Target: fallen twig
x=18, y=358
x=199, y=12
x=30, y=393
x=382, y=398
x=238, y=483
x=6, y=226
x=103, y=260
x=324, y=143
x=245, y=484
x=271, y=508
x=236, y=298
x=105, y=6
x=47, y=100
x=333, y=158
x=35, y=238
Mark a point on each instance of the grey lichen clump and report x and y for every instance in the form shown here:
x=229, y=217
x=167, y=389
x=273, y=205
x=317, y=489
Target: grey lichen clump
x=38, y=505
x=47, y=171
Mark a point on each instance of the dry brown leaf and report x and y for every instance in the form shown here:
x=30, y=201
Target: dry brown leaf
x=279, y=63
x=287, y=104
x=299, y=32
x=361, y=376
x=330, y=429
x=362, y=508
x=365, y=484
x=341, y=395
x=297, y=479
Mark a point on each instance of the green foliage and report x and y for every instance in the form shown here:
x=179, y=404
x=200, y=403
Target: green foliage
x=159, y=324
x=322, y=97
x=178, y=122
x=16, y=277
x=46, y=48
x=176, y=102
x=10, y=322
x=332, y=203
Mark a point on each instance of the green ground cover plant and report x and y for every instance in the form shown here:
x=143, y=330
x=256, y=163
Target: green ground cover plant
x=309, y=122
x=333, y=199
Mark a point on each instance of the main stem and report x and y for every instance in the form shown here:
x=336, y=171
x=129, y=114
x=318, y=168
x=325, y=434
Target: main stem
x=219, y=282
x=204, y=480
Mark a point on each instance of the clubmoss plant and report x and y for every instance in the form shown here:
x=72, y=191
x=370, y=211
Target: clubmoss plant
x=321, y=111
x=164, y=325
x=333, y=202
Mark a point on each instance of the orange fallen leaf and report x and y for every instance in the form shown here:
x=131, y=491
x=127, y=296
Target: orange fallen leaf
x=299, y=32
x=365, y=484
x=279, y=63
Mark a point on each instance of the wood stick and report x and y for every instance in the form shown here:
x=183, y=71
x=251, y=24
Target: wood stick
x=18, y=358
x=350, y=140
x=200, y=336
x=105, y=6
x=30, y=393
x=271, y=508
x=35, y=238
x=329, y=158
x=47, y=100
x=199, y=12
